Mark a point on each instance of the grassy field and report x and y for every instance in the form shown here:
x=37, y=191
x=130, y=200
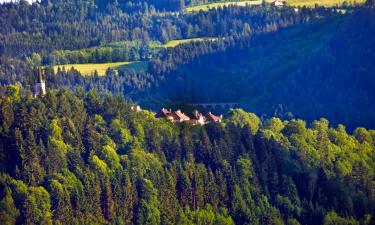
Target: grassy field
x=308, y=3
x=311, y=3
x=89, y=69
x=221, y=4
x=174, y=43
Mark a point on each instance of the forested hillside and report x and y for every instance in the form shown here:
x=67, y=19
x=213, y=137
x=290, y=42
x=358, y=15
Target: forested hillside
x=321, y=69
x=308, y=63
x=85, y=158
x=79, y=154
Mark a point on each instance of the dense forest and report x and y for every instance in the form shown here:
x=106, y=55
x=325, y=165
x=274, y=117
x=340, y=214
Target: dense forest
x=44, y=28
x=80, y=155
x=85, y=158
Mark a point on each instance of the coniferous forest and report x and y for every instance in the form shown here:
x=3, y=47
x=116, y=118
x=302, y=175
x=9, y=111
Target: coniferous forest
x=298, y=149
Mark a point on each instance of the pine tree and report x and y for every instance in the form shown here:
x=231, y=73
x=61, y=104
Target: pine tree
x=8, y=211
x=148, y=209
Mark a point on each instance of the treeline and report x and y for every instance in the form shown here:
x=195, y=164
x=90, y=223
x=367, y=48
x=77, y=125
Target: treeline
x=168, y=5
x=83, y=158
x=115, y=52
x=72, y=25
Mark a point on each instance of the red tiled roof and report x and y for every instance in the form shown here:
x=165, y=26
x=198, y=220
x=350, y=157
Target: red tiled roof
x=211, y=117
x=197, y=115
x=181, y=116
x=163, y=113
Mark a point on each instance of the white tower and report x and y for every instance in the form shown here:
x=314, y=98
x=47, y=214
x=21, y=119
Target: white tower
x=40, y=86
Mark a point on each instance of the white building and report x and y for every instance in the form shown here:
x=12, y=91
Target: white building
x=278, y=3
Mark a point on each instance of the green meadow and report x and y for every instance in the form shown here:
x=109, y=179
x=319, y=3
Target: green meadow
x=90, y=68
x=326, y=3
x=206, y=7
x=308, y=3
x=174, y=43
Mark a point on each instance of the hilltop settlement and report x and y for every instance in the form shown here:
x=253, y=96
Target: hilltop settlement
x=196, y=118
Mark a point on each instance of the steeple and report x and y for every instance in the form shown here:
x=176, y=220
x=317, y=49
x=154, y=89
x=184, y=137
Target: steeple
x=40, y=75
x=40, y=86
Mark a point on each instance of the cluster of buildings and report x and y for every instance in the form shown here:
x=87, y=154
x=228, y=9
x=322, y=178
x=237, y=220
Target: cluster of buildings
x=196, y=118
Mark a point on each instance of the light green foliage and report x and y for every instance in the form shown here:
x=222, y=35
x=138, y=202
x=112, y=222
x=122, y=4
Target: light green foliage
x=206, y=7
x=333, y=149
x=120, y=132
x=273, y=128
x=99, y=165
x=60, y=198
x=312, y=3
x=19, y=190
x=308, y=3
x=241, y=205
x=90, y=68
x=326, y=150
x=135, y=168
x=57, y=148
x=245, y=169
x=292, y=221
x=71, y=184
x=286, y=206
x=99, y=122
x=6, y=114
x=8, y=211
x=241, y=118
x=205, y=216
x=60, y=145
x=333, y=219
x=182, y=219
x=56, y=131
x=144, y=163
x=148, y=212
x=111, y=157
x=138, y=134
x=174, y=43
x=38, y=206
x=13, y=92
x=302, y=140
x=34, y=60
x=362, y=135
x=223, y=218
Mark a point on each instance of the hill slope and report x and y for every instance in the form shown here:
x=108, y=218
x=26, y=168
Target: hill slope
x=321, y=69
x=84, y=158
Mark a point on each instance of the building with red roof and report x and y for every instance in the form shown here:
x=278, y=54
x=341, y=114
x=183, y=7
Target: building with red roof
x=211, y=118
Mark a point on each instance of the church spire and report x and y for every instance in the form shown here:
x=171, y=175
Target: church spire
x=40, y=86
